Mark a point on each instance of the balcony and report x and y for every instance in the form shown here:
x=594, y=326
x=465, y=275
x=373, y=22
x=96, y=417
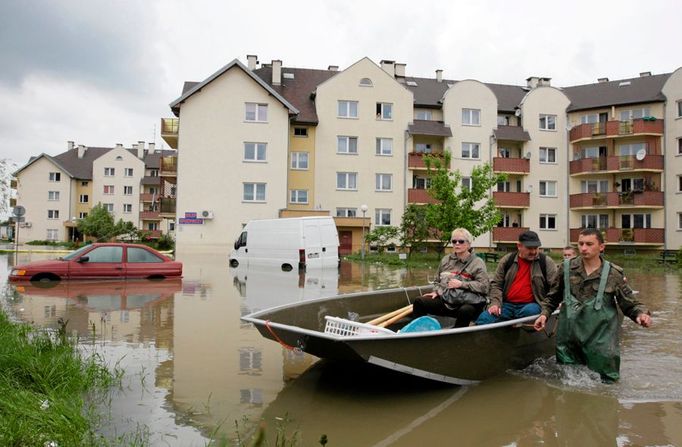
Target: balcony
x=511, y=165
x=616, y=163
x=12, y=202
x=511, y=199
x=508, y=234
x=147, y=197
x=169, y=166
x=638, y=199
x=167, y=206
x=149, y=215
x=353, y=222
x=153, y=234
x=415, y=195
x=169, y=131
x=415, y=160
x=611, y=129
x=627, y=236
x=13, y=183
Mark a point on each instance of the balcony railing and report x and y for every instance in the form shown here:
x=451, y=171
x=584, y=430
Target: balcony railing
x=169, y=165
x=653, y=199
x=167, y=205
x=615, y=236
x=150, y=215
x=508, y=234
x=616, y=163
x=415, y=195
x=516, y=165
x=169, y=131
x=511, y=199
x=617, y=128
x=147, y=197
x=415, y=160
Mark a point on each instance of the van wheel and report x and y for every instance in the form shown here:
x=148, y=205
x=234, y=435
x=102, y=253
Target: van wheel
x=287, y=267
x=234, y=263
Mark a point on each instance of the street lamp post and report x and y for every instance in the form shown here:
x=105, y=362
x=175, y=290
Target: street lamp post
x=363, y=208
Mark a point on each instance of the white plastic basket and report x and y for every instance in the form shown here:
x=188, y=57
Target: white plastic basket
x=345, y=328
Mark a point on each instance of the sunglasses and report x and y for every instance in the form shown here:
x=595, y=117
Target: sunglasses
x=459, y=241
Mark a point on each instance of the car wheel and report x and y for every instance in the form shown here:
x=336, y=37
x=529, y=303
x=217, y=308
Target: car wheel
x=45, y=280
x=234, y=263
x=287, y=267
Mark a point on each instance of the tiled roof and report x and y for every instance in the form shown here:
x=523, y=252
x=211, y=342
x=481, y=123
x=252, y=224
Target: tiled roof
x=625, y=91
x=511, y=133
x=426, y=127
x=428, y=92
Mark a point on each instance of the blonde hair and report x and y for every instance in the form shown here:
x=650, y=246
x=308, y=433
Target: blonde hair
x=464, y=232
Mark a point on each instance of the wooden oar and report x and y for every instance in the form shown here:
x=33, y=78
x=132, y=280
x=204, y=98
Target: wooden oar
x=383, y=318
x=398, y=317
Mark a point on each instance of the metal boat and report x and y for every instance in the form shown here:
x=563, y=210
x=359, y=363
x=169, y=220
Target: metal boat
x=460, y=356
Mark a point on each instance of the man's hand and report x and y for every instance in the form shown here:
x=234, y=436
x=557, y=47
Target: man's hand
x=431, y=295
x=644, y=319
x=454, y=283
x=495, y=310
x=540, y=323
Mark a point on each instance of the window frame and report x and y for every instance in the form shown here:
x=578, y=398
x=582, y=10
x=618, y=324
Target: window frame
x=547, y=151
x=300, y=132
x=53, y=214
x=347, y=139
x=52, y=234
x=472, y=146
x=55, y=177
x=256, y=152
x=545, y=219
x=466, y=183
x=423, y=115
x=379, y=184
x=108, y=190
x=384, y=111
x=347, y=175
x=109, y=172
x=255, y=192
x=84, y=196
x=546, y=187
x=471, y=117
x=53, y=196
x=128, y=172
x=127, y=208
x=379, y=213
x=296, y=160
x=127, y=188
x=345, y=110
x=381, y=149
x=346, y=212
x=295, y=193
x=259, y=109
x=109, y=207
x=548, y=122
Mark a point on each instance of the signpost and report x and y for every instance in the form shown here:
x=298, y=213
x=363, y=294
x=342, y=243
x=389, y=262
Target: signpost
x=18, y=212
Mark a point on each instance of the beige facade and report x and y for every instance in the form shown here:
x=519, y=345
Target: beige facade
x=301, y=180
x=673, y=160
x=214, y=172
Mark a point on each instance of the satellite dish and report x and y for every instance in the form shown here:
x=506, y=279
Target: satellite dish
x=640, y=154
x=517, y=112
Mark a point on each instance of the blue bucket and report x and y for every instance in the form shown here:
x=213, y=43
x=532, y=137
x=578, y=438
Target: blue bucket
x=421, y=324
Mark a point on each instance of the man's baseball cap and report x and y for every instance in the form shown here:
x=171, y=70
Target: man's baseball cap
x=529, y=239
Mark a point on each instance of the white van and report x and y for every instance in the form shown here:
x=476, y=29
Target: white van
x=300, y=242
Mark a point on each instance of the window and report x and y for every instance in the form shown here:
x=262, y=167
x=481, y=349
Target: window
x=153, y=172
x=109, y=207
x=346, y=212
x=383, y=182
x=171, y=226
x=504, y=152
x=140, y=255
x=382, y=217
x=366, y=82
x=547, y=122
x=109, y=172
x=679, y=221
x=82, y=215
x=127, y=207
x=55, y=176
x=298, y=196
x=52, y=234
x=470, y=150
x=504, y=186
x=347, y=180
x=384, y=111
x=547, y=188
x=502, y=120
x=466, y=183
x=254, y=151
x=153, y=190
x=346, y=145
x=635, y=220
x=594, y=221
x=256, y=112
x=299, y=160
x=594, y=186
x=423, y=115
x=591, y=118
x=384, y=146
x=422, y=148
x=347, y=109
x=128, y=172
x=254, y=192
x=105, y=254
x=631, y=149
x=84, y=183
x=547, y=155
x=679, y=146
x=152, y=226
x=301, y=132
x=679, y=183
x=53, y=196
x=421, y=182
x=548, y=221
x=127, y=190
x=627, y=115
x=108, y=189
x=679, y=109
x=471, y=117
x=53, y=214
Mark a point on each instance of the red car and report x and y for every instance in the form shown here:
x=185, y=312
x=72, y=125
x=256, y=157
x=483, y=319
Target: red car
x=97, y=261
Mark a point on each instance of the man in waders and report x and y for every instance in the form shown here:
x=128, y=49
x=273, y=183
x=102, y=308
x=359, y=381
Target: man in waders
x=589, y=326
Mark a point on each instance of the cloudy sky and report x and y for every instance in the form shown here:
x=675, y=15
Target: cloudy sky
x=103, y=72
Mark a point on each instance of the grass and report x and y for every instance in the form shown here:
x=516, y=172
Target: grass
x=43, y=381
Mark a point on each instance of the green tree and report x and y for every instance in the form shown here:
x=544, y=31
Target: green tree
x=382, y=237
x=458, y=206
x=99, y=223
x=414, y=228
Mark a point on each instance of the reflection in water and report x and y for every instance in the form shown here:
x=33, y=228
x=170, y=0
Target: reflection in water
x=192, y=361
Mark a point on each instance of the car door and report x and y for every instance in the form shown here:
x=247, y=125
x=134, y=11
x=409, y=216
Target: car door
x=142, y=263
x=104, y=261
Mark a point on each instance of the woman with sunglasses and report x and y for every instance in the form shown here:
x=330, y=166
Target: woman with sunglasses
x=462, y=284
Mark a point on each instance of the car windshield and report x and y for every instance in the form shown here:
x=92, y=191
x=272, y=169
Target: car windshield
x=75, y=254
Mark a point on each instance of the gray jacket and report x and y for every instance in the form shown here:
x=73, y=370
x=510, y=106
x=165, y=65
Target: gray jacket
x=475, y=274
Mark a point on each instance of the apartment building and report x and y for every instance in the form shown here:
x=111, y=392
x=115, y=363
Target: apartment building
x=58, y=190
x=261, y=142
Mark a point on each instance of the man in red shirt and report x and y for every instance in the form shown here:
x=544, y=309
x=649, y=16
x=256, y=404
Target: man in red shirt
x=520, y=282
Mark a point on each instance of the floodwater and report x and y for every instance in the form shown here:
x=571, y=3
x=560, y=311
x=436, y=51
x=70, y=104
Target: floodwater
x=194, y=372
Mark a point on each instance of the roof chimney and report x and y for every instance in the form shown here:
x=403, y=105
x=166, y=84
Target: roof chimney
x=152, y=147
x=400, y=70
x=276, y=72
x=140, y=149
x=252, y=61
x=69, y=145
x=81, y=149
x=388, y=67
x=644, y=74
x=119, y=146
x=439, y=75
x=602, y=80
x=537, y=81
x=333, y=68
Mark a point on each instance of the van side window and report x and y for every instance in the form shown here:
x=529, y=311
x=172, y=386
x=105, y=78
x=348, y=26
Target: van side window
x=242, y=240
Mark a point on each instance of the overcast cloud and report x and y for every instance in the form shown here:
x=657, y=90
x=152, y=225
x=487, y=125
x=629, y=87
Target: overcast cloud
x=103, y=72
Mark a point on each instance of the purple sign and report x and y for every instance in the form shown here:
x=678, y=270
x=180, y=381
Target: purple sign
x=184, y=221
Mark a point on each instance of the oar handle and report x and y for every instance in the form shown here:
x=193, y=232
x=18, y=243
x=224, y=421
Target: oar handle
x=398, y=317
x=383, y=318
